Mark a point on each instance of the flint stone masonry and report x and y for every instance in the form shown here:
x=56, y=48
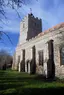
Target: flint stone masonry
x=40, y=41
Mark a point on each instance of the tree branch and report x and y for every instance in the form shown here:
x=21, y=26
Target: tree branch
x=7, y=36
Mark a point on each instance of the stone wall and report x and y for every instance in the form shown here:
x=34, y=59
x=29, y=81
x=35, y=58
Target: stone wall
x=58, y=43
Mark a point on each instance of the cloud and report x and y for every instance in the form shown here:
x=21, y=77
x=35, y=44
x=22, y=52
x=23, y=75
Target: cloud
x=10, y=50
x=51, y=11
x=10, y=26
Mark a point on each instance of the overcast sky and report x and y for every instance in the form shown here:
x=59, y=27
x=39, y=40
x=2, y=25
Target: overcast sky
x=50, y=11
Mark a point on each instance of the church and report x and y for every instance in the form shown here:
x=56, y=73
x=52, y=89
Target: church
x=39, y=52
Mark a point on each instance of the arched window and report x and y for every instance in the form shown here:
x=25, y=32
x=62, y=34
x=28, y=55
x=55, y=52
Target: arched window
x=40, y=57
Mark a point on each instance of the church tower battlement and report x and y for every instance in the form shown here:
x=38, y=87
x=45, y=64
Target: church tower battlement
x=30, y=27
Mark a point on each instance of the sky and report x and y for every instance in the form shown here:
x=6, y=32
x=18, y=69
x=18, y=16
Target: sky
x=50, y=11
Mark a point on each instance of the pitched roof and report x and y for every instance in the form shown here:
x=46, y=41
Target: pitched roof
x=58, y=26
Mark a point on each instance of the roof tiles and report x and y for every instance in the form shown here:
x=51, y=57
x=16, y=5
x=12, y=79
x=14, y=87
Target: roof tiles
x=51, y=29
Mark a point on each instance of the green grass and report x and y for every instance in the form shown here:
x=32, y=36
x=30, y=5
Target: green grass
x=13, y=82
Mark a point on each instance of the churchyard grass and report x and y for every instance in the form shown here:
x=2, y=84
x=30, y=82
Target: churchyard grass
x=15, y=83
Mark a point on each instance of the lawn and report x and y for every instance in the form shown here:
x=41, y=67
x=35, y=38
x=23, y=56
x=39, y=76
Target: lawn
x=13, y=82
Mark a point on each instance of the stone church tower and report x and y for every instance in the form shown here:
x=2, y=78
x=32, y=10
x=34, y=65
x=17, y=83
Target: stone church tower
x=29, y=28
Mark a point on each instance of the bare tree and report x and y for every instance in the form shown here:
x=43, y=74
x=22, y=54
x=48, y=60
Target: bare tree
x=13, y=4
x=5, y=59
x=10, y=3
